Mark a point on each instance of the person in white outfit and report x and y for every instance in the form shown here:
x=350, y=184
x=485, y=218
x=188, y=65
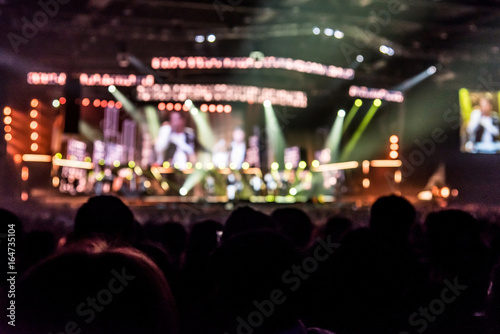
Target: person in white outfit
x=483, y=129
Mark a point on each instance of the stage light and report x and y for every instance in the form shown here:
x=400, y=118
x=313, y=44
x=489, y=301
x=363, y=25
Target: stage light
x=338, y=34
x=454, y=193
x=328, y=32
x=204, y=107
x=8, y=137
x=227, y=109
x=118, y=105
x=34, y=147
x=58, y=156
x=33, y=113
x=366, y=183
x=111, y=104
x=393, y=155
x=178, y=107
x=232, y=166
x=164, y=185
x=220, y=108
x=377, y=103
x=269, y=198
x=360, y=58
x=183, y=191
x=188, y=103
x=445, y=192
x=431, y=70
x=56, y=103
x=111, y=88
x=275, y=166
x=198, y=165
x=62, y=100
x=302, y=164
x=394, y=139
x=245, y=165
x=24, y=196
x=18, y=158
x=210, y=166
x=341, y=113
x=293, y=191
x=194, y=111
x=211, y=38
x=386, y=50
x=116, y=163
x=55, y=182
x=169, y=106
x=315, y=163
x=101, y=162
x=199, y=39
x=358, y=103
x=394, y=147
x=7, y=120
x=85, y=102
x=267, y=104
x=211, y=108
x=33, y=125
x=316, y=30
x=288, y=165
x=189, y=165
x=104, y=104
x=34, y=136
x=87, y=159
x=97, y=103
x=7, y=111
x=131, y=164
x=147, y=184
x=166, y=164
x=177, y=165
x=7, y=128
x=34, y=103
x=398, y=176
x=221, y=166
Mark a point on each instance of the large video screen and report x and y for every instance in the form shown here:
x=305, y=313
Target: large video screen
x=479, y=132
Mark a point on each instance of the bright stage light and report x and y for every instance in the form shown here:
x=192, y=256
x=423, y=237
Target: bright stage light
x=275, y=166
x=288, y=165
x=302, y=165
x=360, y=58
x=393, y=155
x=431, y=70
x=34, y=103
x=338, y=34
x=33, y=125
x=131, y=164
x=34, y=136
x=199, y=39
x=394, y=139
x=267, y=104
x=194, y=111
x=358, y=103
x=8, y=137
x=211, y=38
x=377, y=103
x=341, y=113
x=7, y=111
x=112, y=89
x=33, y=113
x=85, y=102
x=116, y=163
x=188, y=103
x=56, y=103
x=293, y=191
x=329, y=32
x=183, y=191
x=316, y=30
x=315, y=163
x=7, y=120
x=445, y=192
x=245, y=165
x=366, y=183
x=198, y=165
x=34, y=147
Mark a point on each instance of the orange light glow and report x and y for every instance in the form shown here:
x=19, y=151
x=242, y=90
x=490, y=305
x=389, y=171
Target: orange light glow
x=34, y=103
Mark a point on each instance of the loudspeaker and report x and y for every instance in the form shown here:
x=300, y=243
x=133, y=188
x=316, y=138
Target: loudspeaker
x=72, y=93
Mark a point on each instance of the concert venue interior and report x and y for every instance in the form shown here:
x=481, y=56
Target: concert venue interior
x=188, y=110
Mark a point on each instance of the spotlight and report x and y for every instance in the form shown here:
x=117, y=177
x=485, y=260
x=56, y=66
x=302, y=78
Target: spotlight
x=56, y=103
x=377, y=103
x=360, y=58
x=199, y=39
x=267, y=104
x=288, y=165
x=315, y=163
x=341, y=113
x=183, y=191
x=358, y=103
x=34, y=103
x=431, y=70
x=316, y=30
x=293, y=191
x=302, y=165
x=338, y=34
x=328, y=32
x=112, y=89
x=211, y=38
x=7, y=111
x=85, y=102
x=275, y=166
x=188, y=103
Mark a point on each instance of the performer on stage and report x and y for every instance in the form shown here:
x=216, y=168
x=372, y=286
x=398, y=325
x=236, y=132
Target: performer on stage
x=483, y=128
x=175, y=142
x=238, y=148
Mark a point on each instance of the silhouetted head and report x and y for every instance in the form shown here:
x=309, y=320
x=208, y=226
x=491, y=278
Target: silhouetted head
x=104, y=216
x=337, y=227
x=295, y=224
x=246, y=219
x=95, y=288
x=392, y=217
